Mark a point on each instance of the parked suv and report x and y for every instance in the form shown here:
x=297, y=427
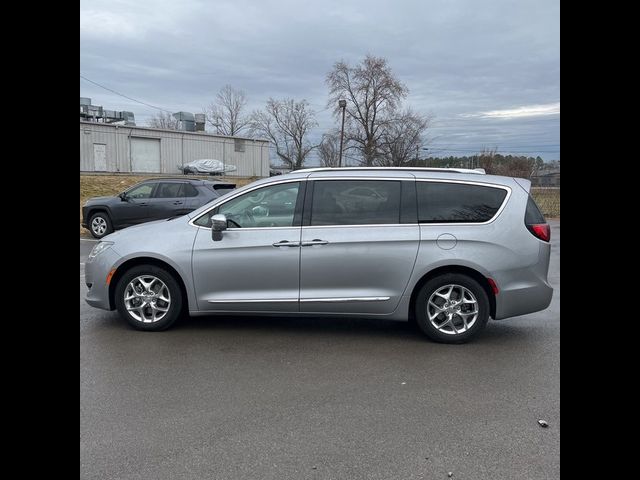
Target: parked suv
x=449, y=248
x=149, y=200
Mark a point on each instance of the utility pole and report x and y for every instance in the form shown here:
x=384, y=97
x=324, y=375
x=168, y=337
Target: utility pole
x=342, y=104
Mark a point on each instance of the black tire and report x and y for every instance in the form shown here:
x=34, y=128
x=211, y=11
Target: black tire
x=175, y=305
x=432, y=286
x=102, y=218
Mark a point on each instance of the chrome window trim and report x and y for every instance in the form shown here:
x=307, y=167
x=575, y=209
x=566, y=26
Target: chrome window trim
x=363, y=225
x=468, y=182
x=305, y=179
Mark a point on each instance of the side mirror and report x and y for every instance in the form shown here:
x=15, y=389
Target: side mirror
x=123, y=197
x=218, y=225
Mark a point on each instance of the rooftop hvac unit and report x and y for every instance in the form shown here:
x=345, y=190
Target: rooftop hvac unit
x=128, y=116
x=200, y=119
x=187, y=121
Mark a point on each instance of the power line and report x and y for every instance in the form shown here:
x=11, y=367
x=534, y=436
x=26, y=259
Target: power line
x=125, y=96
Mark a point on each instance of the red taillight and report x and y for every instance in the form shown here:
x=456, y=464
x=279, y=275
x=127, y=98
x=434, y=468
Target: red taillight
x=541, y=230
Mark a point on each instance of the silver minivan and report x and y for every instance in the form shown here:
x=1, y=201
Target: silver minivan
x=448, y=248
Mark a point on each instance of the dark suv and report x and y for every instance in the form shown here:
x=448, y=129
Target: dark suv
x=149, y=200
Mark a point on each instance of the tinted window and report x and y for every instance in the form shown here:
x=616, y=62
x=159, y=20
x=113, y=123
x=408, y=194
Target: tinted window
x=221, y=189
x=168, y=190
x=272, y=206
x=141, y=191
x=355, y=202
x=533, y=215
x=190, y=190
x=457, y=202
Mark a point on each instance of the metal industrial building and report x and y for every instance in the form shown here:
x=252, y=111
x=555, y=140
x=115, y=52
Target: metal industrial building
x=119, y=148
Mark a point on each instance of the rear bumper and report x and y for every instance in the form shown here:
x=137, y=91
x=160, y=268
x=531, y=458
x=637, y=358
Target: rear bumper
x=522, y=300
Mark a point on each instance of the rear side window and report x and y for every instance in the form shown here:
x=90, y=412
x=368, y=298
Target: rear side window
x=533, y=215
x=168, y=190
x=221, y=188
x=441, y=202
x=190, y=190
x=355, y=202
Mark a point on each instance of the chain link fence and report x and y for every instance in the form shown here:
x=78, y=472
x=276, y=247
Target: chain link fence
x=548, y=199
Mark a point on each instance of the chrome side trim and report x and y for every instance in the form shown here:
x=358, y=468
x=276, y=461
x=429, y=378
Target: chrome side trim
x=266, y=300
x=306, y=300
x=344, y=299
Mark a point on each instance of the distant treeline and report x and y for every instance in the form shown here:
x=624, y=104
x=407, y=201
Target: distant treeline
x=493, y=163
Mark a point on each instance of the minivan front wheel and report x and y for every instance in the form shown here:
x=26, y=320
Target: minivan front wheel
x=148, y=298
x=452, y=308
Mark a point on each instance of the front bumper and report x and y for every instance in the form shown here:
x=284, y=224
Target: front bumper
x=95, y=273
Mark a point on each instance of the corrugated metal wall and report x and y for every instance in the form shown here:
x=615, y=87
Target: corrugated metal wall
x=176, y=148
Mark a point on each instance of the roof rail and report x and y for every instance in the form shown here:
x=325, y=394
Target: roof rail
x=477, y=171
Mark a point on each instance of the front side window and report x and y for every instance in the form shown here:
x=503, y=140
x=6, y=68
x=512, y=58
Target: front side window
x=355, y=202
x=441, y=202
x=272, y=206
x=141, y=191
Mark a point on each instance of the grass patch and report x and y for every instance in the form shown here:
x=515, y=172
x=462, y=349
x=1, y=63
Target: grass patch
x=108, y=185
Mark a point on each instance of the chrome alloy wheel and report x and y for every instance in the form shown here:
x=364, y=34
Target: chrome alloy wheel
x=452, y=309
x=99, y=225
x=147, y=299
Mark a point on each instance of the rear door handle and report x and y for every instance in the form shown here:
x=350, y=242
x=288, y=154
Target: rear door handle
x=177, y=202
x=286, y=243
x=315, y=241
x=143, y=204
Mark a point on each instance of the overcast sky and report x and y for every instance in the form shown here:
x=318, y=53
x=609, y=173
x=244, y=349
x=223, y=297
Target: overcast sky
x=486, y=71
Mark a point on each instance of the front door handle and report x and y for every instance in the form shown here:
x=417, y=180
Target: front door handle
x=286, y=243
x=315, y=241
x=178, y=202
x=143, y=204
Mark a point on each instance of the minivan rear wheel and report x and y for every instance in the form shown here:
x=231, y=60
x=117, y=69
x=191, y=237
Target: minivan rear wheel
x=452, y=308
x=148, y=298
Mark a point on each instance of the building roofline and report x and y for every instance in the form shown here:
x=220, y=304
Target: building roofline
x=179, y=132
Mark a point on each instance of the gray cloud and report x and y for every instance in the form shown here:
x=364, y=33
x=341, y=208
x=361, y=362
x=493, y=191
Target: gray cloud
x=459, y=58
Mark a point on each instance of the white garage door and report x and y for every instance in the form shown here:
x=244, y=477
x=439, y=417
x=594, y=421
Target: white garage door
x=145, y=154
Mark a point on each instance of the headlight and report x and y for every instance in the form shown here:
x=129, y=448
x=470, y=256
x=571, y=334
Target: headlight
x=99, y=248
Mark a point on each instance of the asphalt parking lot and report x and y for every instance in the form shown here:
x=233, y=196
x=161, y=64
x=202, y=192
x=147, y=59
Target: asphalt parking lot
x=276, y=398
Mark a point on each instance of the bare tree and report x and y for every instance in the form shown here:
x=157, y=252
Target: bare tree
x=287, y=124
x=402, y=139
x=486, y=160
x=373, y=94
x=225, y=114
x=509, y=166
x=329, y=149
x=163, y=120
